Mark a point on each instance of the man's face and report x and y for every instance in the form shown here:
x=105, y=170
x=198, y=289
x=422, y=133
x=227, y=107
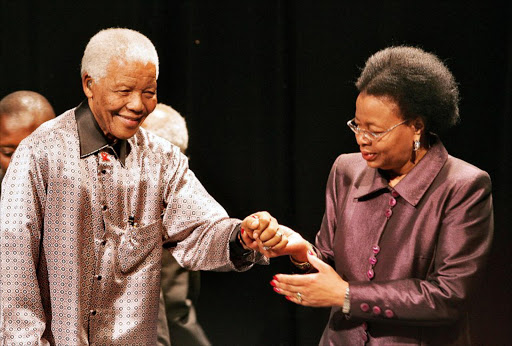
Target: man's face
x=12, y=132
x=123, y=98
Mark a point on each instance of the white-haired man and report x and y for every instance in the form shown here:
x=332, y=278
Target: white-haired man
x=177, y=318
x=90, y=200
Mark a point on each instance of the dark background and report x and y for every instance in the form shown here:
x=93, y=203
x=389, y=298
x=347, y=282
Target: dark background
x=266, y=88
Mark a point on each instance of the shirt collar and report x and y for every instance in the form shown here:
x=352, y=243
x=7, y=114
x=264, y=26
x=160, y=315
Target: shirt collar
x=414, y=185
x=91, y=136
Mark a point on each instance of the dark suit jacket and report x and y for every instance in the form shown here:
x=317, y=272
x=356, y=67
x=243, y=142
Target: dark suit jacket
x=412, y=255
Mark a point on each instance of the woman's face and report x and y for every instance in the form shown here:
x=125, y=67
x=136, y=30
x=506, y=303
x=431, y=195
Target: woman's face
x=393, y=151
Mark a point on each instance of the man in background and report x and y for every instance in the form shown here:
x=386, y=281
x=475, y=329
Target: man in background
x=21, y=112
x=177, y=321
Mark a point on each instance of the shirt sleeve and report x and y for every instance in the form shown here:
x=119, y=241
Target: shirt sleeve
x=463, y=243
x=22, y=211
x=200, y=226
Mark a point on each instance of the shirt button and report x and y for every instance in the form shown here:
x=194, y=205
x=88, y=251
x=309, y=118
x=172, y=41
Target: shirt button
x=372, y=260
x=376, y=249
x=365, y=326
x=365, y=337
x=394, y=194
x=104, y=208
x=389, y=313
x=93, y=312
x=376, y=310
x=364, y=307
x=392, y=202
x=389, y=212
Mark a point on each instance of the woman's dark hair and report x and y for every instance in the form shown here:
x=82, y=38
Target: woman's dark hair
x=418, y=81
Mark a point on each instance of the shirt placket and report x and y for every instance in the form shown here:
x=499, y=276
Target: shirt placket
x=104, y=171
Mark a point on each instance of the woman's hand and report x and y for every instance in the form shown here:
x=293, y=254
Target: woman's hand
x=325, y=288
x=275, y=240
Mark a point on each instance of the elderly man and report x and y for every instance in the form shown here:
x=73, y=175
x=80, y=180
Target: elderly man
x=177, y=319
x=90, y=200
x=21, y=112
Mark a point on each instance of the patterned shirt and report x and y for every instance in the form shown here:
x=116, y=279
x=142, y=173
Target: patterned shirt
x=83, y=228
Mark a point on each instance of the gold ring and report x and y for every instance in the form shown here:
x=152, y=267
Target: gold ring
x=299, y=297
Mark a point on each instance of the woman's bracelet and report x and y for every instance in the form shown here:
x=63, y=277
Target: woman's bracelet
x=346, y=302
x=301, y=265
x=305, y=266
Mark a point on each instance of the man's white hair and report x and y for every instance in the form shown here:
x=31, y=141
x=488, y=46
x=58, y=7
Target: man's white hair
x=116, y=44
x=167, y=123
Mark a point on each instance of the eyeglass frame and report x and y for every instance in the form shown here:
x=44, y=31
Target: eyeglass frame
x=366, y=134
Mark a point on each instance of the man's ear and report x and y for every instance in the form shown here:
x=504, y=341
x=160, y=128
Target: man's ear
x=87, y=84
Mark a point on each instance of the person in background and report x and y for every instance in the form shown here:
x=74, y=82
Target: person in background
x=177, y=319
x=21, y=112
x=407, y=227
x=93, y=199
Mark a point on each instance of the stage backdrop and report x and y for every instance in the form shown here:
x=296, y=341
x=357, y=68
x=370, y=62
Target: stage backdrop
x=266, y=88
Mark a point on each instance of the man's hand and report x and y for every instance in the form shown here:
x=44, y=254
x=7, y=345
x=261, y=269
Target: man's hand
x=261, y=232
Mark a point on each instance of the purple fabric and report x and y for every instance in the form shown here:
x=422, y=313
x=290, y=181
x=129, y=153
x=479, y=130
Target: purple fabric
x=433, y=245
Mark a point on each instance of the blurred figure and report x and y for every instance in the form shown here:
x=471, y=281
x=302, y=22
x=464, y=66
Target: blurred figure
x=177, y=321
x=167, y=123
x=21, y=112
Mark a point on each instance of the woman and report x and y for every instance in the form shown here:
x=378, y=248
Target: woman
x=407, y=227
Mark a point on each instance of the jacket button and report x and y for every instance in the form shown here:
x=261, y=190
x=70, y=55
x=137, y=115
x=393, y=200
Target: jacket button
x=364, y=307
x=376, y=310
x=370, y=273
x=389, y=313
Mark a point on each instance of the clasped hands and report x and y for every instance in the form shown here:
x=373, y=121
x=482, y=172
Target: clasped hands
x=261, y=232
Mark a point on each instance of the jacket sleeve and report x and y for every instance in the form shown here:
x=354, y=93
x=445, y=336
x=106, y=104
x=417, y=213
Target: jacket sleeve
x=325, y=237
x=22, y=212
x=464, y=240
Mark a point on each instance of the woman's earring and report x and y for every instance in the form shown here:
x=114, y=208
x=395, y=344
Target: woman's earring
x=416, y=145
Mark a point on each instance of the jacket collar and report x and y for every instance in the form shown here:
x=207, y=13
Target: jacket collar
x=91, y=136
x=414, y=185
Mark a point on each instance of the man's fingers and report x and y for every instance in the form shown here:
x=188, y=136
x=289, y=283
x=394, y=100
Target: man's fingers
x=264, y=219
x=270, y=231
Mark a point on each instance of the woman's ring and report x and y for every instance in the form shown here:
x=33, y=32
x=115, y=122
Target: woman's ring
x=266, y=248
x=299, y=297
x=280, y=234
